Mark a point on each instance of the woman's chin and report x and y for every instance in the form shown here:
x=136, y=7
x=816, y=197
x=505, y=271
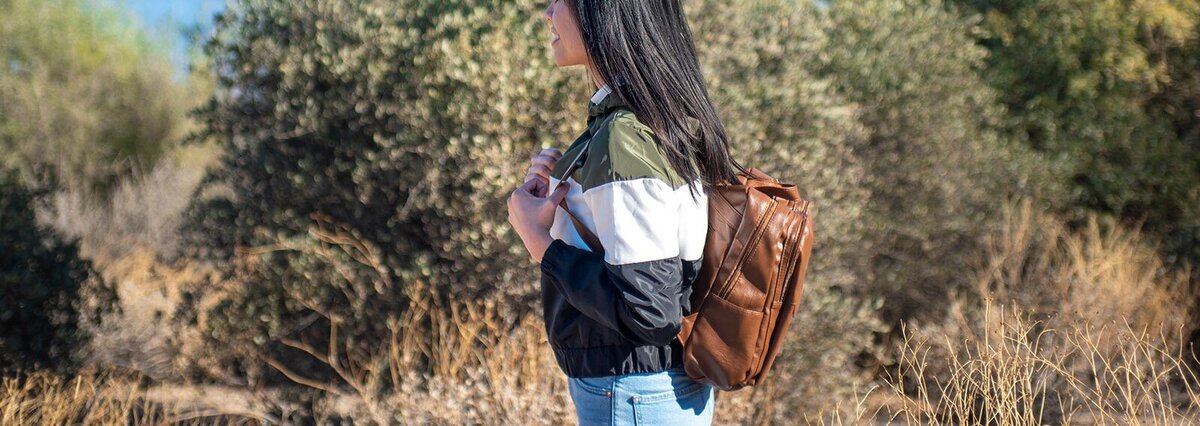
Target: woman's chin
x=564, y=64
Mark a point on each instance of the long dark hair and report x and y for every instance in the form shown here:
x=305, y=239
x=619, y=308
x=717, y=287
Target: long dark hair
x=646, y=46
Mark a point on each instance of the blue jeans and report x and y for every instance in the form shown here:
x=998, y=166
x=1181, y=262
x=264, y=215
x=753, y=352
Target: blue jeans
x=664, y=398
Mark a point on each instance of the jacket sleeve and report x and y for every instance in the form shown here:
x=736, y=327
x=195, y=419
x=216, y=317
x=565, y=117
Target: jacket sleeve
x=635, y=286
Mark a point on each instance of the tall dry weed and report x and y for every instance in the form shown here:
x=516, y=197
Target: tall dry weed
x=143, y=210
x=88, y=398
x=1069, y=327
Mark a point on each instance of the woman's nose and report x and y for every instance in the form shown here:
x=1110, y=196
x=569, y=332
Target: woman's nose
x=546, y=14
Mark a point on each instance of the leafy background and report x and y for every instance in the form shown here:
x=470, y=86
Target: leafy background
x=309, y=217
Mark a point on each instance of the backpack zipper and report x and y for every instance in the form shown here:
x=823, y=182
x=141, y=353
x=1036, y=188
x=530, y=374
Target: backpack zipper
x=789, y=252
x=791, y=245
x=758, y=231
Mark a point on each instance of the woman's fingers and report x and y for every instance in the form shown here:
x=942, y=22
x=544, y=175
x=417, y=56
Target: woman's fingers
x=528, y=186
x=539, y=170
x=540, y=188
x=549, y=152
x=559, y=193
x=544, y=160
x=547, y=157
x=542, y=163
x=536, y=188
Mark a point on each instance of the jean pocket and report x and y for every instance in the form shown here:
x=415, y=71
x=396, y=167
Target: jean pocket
x=593, y=401
x=687, y=405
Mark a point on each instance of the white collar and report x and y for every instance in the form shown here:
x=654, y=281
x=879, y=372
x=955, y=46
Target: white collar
x=600, y=94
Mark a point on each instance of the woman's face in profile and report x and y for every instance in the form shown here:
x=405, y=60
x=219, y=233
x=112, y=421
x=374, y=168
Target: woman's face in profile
x=565, y=39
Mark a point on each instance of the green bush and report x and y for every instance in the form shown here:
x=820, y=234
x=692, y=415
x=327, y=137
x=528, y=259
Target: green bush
x=934, y=164
x=48, y=294
x=1180, y=104
x=1110, y=90
x=404, y=123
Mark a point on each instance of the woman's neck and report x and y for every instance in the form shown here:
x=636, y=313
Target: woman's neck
x=596, y=79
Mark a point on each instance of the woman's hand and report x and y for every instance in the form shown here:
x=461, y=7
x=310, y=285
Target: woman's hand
x=541, y=164
x=531, y=213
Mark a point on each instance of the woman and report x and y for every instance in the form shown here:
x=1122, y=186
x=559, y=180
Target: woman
x=654, y=149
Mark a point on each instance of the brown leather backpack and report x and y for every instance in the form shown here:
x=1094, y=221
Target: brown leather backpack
x=746, y=294
x=760, y=234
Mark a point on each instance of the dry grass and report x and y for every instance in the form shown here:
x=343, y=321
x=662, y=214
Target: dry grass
x=1019, y=372
x=42, y=398
x=143, y=211
x=1069, y=328
x=481, y=372
x=93, y=398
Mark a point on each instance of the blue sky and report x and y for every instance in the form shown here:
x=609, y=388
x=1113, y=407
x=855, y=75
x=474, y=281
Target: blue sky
x=186, y=12
x=170, y=17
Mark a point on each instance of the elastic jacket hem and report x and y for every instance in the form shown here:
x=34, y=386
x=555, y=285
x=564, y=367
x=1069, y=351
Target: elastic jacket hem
x=599, y=361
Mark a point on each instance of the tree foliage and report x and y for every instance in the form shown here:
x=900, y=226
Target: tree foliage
x=934, y=163
x=1108, y=88
x=405, y=124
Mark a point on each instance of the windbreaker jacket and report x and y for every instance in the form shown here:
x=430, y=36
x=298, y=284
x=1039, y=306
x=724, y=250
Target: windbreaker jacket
x=620, y=312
